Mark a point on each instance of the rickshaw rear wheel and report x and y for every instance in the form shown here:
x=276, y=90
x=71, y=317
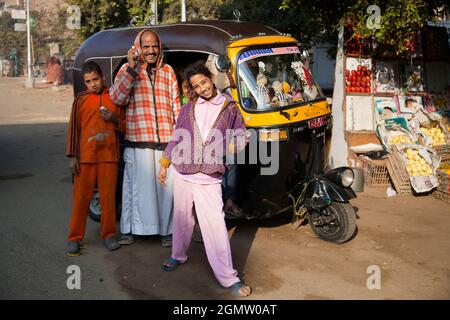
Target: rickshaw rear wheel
x=335, y=223
x=95, y=210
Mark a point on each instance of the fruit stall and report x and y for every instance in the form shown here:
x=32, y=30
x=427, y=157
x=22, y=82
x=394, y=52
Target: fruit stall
x=396, y=113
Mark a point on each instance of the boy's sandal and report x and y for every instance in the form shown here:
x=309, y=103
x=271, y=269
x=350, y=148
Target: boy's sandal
x=236, y=290
x=171, y=264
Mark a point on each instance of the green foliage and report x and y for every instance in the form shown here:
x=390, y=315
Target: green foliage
x=140, y=9
x=49, y=27
x=295, y=22
x=400, y=19
x=195, y=10
x=310, y=21
x=97, y=15
x=10, y=39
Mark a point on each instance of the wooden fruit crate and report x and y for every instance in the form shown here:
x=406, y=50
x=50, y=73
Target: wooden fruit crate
x=375, y=172
x=444, y=181
x=398, y=174
x=442, y=192
x=443, y=152
x=442, y=195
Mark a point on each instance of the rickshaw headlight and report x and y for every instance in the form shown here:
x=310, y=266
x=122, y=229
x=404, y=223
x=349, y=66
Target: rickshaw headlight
x=347, y=177
x=273, y=134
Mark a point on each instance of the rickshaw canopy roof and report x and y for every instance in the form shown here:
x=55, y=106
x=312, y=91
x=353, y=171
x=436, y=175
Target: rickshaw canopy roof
x=209, y=36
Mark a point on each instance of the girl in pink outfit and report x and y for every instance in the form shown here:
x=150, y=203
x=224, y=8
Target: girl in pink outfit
x=207, y=119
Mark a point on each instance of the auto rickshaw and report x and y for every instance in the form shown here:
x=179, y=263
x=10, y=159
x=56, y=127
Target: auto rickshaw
x=282, y=105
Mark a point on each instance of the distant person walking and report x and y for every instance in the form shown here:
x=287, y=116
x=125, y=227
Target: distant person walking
x=53, y=71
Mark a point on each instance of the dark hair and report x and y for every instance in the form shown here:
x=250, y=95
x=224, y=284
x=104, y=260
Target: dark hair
x=195, y=68
x=91, y=66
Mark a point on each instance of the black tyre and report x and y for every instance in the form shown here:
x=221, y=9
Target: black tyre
x=336, y=223
x=95, y=210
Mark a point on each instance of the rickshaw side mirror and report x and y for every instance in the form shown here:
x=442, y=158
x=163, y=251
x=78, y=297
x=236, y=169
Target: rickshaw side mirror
x=305, y=54
x=223, y=63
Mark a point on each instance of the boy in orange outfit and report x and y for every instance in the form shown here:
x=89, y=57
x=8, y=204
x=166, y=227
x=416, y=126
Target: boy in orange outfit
x=93, y=150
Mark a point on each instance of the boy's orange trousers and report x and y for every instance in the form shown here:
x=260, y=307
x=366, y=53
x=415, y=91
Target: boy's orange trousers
x=105, y=174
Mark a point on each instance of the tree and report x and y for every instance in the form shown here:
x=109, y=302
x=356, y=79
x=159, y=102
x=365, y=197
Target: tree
x=299, y=23
x=400, y=19
x=195, y=10
x=97, y=15
x=12, y=42
x=51, y=27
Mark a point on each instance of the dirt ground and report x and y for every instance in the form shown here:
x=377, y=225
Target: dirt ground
x=406, y=237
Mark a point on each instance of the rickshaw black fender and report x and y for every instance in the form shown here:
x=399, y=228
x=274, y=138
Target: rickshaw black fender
x=320, y=192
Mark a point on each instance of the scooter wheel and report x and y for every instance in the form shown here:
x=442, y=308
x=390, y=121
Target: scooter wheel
x=335, y=223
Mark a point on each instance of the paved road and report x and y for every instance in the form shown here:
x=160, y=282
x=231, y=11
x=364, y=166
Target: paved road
x=406, y=237
x=35, y=194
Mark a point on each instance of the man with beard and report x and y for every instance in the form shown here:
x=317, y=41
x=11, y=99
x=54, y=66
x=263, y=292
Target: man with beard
x=149, y=90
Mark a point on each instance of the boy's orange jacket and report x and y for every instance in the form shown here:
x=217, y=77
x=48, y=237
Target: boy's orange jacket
x=90, y=138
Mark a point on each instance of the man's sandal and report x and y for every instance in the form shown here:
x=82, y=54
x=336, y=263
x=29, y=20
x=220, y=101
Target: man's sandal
x=126, y=239
x=236, y=290
x=171, y=264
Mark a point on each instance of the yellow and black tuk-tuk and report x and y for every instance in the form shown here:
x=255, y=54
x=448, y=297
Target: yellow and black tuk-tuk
x=281, y=103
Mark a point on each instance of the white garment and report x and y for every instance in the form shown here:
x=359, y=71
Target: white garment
x=146, y=204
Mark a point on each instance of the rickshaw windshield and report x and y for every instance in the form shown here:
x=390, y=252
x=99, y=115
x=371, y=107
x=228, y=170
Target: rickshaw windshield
x=274, y=78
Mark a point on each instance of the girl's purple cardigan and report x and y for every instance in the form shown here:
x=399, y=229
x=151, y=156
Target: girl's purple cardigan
x=229, y=118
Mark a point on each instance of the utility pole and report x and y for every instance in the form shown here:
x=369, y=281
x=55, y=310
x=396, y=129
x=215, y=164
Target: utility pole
x=183, y=10
x=156, y=12
x=29, y=83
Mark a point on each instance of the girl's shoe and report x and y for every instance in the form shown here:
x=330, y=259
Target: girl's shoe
x=171, y=264
x=237, y=290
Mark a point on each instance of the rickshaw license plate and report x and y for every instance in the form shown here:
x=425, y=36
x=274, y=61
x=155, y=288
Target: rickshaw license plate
x=318, y=122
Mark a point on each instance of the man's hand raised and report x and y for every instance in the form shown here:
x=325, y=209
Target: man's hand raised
x=133, y=56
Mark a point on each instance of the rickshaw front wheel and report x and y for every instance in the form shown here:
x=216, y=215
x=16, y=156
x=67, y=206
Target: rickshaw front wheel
x=335, y=223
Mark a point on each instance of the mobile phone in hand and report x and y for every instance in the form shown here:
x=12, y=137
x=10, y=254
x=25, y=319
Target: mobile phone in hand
x=136, y=53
